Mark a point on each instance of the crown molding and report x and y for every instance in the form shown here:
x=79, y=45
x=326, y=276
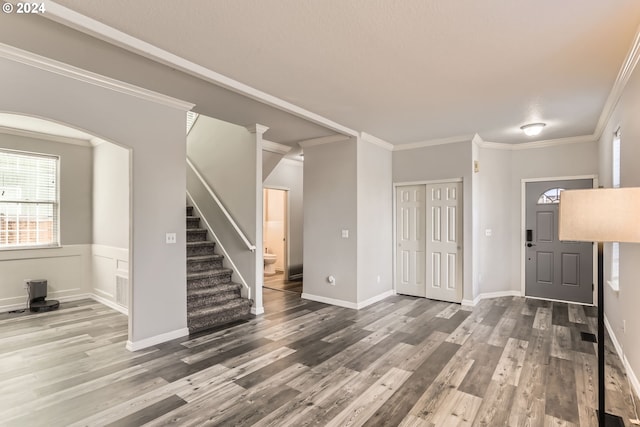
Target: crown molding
x=323, y=140
x=45, y=136
x=433, y=142
x=46, y=64
x=533, y=145
x=628, y=65
x=376, y=141
x=92, y=27
x=274, y=147
x=257, y=128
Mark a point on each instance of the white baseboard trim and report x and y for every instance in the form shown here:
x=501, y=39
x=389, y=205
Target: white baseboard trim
x=375, y=299
x=256, y=311
x=110, y=304
x=21, y=306
x=348, y=304
x=332, y=301
x=158, y=339
x=477, y=299
x=633, y=379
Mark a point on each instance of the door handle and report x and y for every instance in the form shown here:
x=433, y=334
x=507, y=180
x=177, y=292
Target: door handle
x=530, y=244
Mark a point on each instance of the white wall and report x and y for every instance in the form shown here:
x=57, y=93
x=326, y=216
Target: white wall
x=228, y=157
x=289, y=174
x=110, y=249
x=67, y=268
x=156, y=134
x=330, y=206
x=448, y=161
x=623, y=305
x=375, y=221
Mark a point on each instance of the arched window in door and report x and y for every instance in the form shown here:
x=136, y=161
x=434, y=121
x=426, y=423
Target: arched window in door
x=551, y=196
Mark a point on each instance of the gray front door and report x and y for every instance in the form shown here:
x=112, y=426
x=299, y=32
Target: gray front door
x=555, y=269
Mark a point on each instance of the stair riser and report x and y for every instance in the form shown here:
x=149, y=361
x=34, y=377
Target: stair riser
x=200, y=250
x=210, y=300
x=196, y=235
x=189, y=210
x=195, y=267
x=193, y=223
x=202, y=323
x=208, y=281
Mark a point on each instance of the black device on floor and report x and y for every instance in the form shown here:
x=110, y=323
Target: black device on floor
x=37, y=297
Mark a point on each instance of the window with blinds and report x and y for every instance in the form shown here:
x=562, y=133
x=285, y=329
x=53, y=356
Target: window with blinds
x=28, y=200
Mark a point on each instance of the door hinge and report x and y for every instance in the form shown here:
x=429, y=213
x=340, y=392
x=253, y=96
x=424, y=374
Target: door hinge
x=592, y=287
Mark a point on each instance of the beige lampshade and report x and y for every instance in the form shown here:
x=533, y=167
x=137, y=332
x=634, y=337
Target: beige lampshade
x=600, y=215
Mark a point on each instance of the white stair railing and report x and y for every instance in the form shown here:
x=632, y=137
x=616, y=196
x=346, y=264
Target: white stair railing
x=226, y=213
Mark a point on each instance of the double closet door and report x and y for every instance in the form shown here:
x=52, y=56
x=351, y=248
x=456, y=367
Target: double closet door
x=429, y=240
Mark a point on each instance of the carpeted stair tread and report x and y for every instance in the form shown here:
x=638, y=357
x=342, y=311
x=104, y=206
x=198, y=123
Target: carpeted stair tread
x=209, y=273
x=213, y=290
x=203, y=244
x=200, y=258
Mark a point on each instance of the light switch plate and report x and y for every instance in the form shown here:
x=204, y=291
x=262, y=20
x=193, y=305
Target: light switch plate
x=171, y=238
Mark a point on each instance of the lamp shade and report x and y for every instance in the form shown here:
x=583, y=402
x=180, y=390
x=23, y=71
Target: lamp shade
x=600, y=215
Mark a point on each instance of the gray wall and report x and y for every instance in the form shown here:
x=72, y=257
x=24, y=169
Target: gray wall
x=494, y=204
x=438, y=162
x=375, y=221
x=75, y=170
x=156, y=133
x=289, y=174
x=330, y=205
x=111, y=195
x=622, y=306
x=568, y=160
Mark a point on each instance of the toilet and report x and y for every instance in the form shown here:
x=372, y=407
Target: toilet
x=269, y=264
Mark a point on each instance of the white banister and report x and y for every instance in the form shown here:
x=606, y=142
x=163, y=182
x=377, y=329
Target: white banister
x=246, y=241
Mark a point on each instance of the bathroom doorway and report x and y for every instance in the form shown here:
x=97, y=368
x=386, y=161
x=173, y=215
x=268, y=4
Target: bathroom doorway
x=275, y=232
x=275, y=237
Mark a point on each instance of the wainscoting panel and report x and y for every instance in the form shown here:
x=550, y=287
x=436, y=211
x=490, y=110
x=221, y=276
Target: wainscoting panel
x=66, y=269
x=110, y=276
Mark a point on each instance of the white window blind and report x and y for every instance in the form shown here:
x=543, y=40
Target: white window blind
x=615, y=183
x=28, y=199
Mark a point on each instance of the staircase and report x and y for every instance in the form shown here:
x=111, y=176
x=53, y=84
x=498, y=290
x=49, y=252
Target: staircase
x=212, y=298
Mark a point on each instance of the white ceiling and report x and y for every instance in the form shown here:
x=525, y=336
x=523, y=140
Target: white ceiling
x=404, y=71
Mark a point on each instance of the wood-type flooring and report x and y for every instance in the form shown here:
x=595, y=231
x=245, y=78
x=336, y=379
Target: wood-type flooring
x=402, y=361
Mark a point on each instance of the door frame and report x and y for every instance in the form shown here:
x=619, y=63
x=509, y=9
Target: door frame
x=395, y=224
x=287, y=225
x=523, y=223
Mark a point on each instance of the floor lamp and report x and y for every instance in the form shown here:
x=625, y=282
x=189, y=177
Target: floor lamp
x=600, y=215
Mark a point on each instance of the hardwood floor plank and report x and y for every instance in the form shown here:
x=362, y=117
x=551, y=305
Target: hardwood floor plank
x=542, y=319
x=401, y=402
x=360, y=409
x=511, y=362
x=561, y=398
x=496, y=405
x=486, y=358
x=149, y=413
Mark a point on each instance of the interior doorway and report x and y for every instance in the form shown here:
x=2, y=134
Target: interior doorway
x=275, y=240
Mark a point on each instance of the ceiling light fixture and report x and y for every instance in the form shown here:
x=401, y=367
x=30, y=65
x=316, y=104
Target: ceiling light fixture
x=532, y=129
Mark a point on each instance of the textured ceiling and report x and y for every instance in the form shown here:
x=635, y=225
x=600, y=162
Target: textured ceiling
x=404, y=71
